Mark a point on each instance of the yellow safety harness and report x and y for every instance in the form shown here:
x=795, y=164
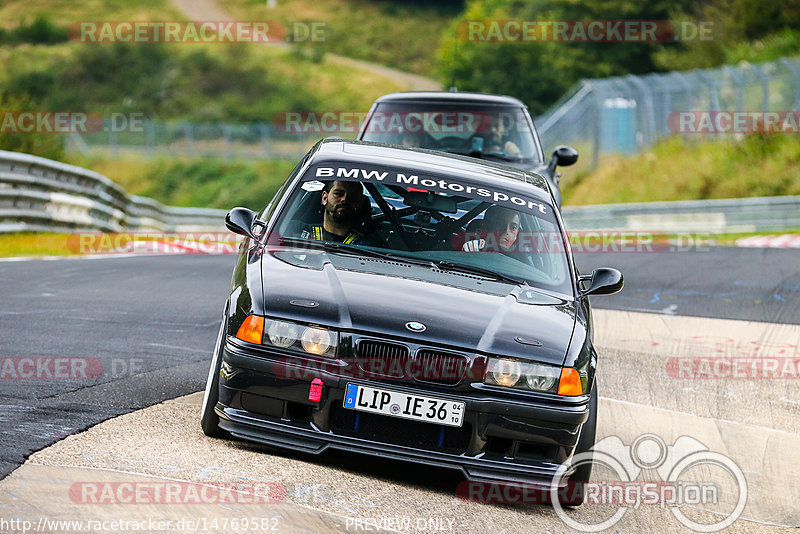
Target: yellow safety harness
x=318, y=236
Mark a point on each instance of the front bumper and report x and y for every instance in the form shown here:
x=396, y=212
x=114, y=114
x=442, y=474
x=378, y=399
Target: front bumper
x=503, y=438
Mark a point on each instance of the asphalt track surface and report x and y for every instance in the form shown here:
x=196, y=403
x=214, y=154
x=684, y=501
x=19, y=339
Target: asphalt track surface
x=150, y=322
x=147, y=324
x=753, y=284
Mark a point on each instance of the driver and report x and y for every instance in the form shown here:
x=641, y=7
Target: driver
x=341, y=201
x=499, y=139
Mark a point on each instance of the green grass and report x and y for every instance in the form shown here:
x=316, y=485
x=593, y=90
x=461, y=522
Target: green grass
x=692, y=168
x=35, y=244
x=242, y=82
x=402, y=35
x=64, y=12
x=206, y=182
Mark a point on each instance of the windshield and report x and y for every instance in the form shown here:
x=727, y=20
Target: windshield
x=438, y=222
x=495, y=132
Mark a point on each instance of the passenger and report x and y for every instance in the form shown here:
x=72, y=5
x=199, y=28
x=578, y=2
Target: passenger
x=415, y=135
x=500, y=231
x=342, y=203
x=412, y=139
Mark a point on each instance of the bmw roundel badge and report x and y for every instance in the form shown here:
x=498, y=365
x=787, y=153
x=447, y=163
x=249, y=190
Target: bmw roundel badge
x=415, y=326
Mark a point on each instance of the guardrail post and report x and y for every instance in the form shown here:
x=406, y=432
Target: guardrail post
x=226, y=134
x=264, y=131
x=150, y=136
x=187, y=129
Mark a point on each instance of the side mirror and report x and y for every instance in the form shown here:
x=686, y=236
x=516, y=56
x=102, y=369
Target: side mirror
x=565, y=155
x=240, y=221
x=604, y=281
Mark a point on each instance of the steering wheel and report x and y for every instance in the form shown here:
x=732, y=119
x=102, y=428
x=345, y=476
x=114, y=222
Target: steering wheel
x=451, y=141
x=444, y=230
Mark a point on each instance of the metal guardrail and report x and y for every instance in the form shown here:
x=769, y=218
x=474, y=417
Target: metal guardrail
x=218, y=140
x=736, y=215
x=38, y=194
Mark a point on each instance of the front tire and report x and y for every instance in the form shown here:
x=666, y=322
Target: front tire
x=575, y=491
x=209, y=420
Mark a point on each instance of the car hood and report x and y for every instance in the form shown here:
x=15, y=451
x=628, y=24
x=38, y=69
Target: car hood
x=462, y=312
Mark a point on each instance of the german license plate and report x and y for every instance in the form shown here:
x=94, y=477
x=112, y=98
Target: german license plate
x=405, y=405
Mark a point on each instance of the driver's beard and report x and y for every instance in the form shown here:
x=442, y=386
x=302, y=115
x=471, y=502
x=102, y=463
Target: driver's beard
x=342, y=216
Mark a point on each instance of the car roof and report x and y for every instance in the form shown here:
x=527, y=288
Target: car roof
x=423, y=160
x=450, y=97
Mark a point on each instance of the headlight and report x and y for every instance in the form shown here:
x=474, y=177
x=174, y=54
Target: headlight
x=504, y=372
x=282, y=334
x=522, y=375
x=316, y=340
x=542, y=377
x=310, y=339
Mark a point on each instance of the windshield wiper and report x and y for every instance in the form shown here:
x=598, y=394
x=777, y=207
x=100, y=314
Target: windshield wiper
x=472, y=269
x=485, y=155
x=352, y=250
x=481, y=155
x=442, y=265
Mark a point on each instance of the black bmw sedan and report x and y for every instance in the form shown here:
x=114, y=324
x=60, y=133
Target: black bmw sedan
x=413, y=305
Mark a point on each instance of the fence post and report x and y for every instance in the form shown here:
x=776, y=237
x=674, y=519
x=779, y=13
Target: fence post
x=764, y=87
x=647, y=97
x=796, y=86
x=737, y=80
x=597, y=105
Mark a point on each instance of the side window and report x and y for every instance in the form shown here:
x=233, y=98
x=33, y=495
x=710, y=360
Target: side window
x=273, y=204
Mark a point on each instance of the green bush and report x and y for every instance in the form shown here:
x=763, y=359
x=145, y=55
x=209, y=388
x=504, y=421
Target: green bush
x=164, y=82
x=48, y=145
x=40, y=31
x=544, y=70
x=215, y=183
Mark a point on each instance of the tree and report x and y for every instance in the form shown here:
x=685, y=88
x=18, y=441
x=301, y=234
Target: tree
x=539, y=72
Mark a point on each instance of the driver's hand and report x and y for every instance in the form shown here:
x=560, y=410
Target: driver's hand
x=475, y=245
